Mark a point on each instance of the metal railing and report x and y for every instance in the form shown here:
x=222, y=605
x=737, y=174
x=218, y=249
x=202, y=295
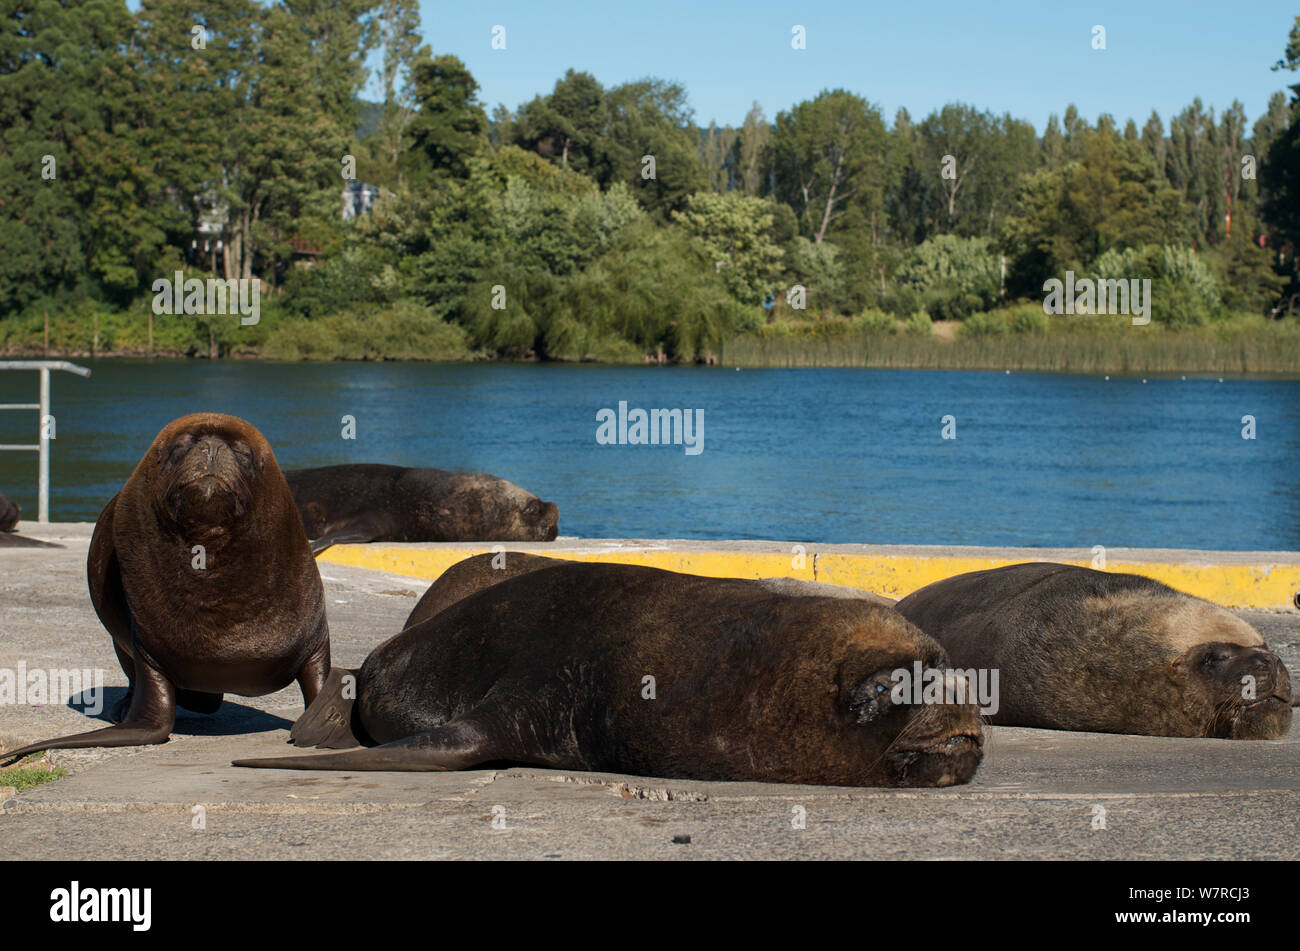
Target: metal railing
x=43, y=446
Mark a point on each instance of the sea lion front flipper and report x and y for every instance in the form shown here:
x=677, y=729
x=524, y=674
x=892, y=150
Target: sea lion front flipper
x=460, y=744
x=149, y=721
x=327, y=721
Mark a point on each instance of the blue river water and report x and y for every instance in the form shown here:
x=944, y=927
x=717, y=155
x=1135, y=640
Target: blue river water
x=809, y=455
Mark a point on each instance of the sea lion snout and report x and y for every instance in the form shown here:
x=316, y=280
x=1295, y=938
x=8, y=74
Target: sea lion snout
x=1248, y=688
x=207, y=480
x=938, y=744
x=548, y=520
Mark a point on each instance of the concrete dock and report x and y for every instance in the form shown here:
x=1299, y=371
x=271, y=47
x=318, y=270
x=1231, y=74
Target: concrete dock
x=1038, y=794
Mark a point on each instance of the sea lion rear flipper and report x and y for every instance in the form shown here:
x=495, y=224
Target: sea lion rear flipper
x=349, y=537
x=327, y=721
x=149, y=721
x=460, y=744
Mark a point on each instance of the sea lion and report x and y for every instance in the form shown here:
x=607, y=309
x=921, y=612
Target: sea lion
x=1107, y=652
x=200, y=571
x=821, y=589
x=474, y=574
x=551, y=668
x=377, y=503
x=9, y=514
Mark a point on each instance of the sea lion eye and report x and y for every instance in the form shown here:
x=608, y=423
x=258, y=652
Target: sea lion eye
x=872, y=697
x=1213, y=659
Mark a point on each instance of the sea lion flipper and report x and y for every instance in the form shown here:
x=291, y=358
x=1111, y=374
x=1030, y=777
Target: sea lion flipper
x=149, y=721
x=327, y=721
x=349, y=537
x=460, y=744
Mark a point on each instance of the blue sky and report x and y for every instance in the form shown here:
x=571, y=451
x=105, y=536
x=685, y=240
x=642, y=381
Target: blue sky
x=1026, y=58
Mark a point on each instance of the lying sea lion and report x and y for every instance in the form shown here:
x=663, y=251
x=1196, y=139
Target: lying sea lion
x=200, y=570
x=623, y=668
x=9, y=514
x=474, y=574
x=1107, y=652
x=377, y=503
x=821, y=589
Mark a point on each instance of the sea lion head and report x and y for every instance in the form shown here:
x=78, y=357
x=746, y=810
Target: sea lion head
x=922, y=744
x=208, y=467
x=485, y=508
x=1232, y=685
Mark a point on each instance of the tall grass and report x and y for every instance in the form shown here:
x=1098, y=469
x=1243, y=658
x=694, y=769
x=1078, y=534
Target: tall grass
x=1260, y=349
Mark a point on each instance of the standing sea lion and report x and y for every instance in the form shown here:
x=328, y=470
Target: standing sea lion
x=1105, y=652
x=378, y=503
x=200, y=570
x=552, y=667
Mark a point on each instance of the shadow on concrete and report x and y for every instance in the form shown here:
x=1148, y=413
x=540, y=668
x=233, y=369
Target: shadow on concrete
x=231, y=719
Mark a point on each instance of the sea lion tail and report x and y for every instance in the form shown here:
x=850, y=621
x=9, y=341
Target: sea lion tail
x=328, y=722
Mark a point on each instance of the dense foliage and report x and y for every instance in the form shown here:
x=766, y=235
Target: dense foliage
x=591, y=222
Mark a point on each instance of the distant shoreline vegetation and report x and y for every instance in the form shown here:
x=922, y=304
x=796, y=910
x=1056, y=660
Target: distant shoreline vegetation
x=601, y=223
x=1018, y=337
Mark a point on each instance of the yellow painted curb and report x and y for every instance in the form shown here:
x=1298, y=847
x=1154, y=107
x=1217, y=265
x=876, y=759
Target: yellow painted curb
x=1262, y=586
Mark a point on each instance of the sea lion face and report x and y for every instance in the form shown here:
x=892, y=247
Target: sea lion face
x=1239, y=691
x=485, y=508
x=208, y=468
x=928, y=744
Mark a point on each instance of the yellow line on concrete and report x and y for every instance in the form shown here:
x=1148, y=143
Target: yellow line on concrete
x=1262, y=585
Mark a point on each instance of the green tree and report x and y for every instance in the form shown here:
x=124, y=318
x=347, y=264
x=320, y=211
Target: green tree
x=736, y=231
x=450, y=128
x=751, y=151
x=1281, y=168
x=1112, y=197
x=827, y=152
x=650, y=119
x=399, y=35
x=567, y=125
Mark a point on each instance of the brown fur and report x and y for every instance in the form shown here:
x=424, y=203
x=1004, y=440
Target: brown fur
x=377, y=503
x=250, y=622
x=9, y=514
x=546, y=667
x=1079, y=649
x=474, y=574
